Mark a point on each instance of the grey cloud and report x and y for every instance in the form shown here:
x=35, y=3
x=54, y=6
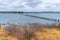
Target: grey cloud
x=33, y=3
x=29, y=5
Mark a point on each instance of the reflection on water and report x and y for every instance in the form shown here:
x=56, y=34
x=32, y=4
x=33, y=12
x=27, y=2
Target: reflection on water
x=18, y=18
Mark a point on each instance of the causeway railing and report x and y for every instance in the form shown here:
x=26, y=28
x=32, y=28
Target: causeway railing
x=45, y=18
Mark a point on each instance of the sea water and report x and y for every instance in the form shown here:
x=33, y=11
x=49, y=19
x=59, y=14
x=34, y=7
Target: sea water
x=22, y=19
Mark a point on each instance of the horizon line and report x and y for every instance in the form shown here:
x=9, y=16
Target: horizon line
x=27, y=12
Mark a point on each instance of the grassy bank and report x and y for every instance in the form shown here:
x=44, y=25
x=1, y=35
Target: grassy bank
x=31, y=32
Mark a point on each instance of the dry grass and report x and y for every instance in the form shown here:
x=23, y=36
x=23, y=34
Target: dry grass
x=33, y=32
x=5, y=36
x=48, y=34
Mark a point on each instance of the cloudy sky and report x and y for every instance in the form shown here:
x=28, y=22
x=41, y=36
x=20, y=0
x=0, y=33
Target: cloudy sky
x=29, y=5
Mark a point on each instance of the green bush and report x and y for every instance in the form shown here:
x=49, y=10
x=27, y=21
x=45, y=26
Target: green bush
x=5, y=38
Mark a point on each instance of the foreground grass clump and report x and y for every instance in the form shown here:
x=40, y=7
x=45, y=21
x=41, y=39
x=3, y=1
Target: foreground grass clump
x=5, y=36
x=51, y=34
x=32, y=32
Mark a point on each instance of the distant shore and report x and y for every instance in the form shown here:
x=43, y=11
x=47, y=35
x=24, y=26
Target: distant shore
x=25, y=12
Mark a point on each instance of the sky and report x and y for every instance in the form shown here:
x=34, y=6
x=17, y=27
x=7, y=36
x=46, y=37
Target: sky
x=30, y=5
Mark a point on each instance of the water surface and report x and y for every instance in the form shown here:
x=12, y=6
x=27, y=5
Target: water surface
x=19, y=18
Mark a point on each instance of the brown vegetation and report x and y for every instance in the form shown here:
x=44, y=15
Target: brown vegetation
x=33, y=31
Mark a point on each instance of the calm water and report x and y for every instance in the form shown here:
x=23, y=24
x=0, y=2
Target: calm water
x=19, y=18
